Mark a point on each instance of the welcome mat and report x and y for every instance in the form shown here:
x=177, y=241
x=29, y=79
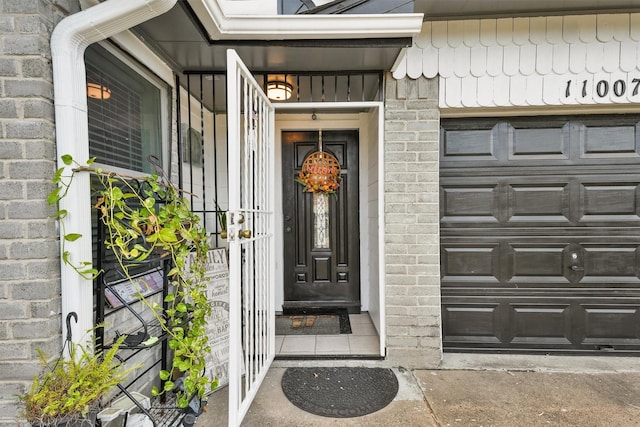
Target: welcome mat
x=340, y=392
x=313, y=324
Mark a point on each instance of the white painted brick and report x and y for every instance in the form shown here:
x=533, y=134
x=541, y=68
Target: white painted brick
x=423, y=145
x=390, y=269
x=400, y=136
x=394, y=187
x=428, y=156
x=422, y=207
x=396, y=311
x=394, y=147
x=405, y=198
x=400, y=177
x=394, y=229
x=400, y=115
x=403, y=280
x=393, y=290
x=428, y=218
x=395, y=167
x=395, y=249
x=400, y=157
x=402, y=238
x=418, y=234
x=403, y=301
x=400, y=219
x=415, y=358
x=394, y=341
x=395, y=125
x=396, y=208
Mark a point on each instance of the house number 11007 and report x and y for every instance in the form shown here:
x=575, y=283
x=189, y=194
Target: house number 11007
x=603, y=87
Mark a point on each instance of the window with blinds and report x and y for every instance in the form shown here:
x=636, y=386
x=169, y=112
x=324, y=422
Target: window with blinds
x=124, y=113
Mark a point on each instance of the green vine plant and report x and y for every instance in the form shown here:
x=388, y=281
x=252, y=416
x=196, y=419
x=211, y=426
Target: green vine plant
x=63, y=183
x=149, y=218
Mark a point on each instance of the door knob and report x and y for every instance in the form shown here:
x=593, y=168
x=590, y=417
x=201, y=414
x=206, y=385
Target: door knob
x=244, y=234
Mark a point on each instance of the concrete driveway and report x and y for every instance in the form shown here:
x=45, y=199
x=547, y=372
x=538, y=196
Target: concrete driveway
x=507, y=391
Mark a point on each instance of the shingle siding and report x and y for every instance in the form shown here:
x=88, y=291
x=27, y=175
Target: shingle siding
x=412, y=241
x=529, y=61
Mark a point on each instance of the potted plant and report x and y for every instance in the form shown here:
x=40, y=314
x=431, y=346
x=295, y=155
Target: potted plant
x=70, y=391
x=148, y=217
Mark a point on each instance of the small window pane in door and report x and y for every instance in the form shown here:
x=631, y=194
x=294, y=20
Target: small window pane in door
x=321, y=220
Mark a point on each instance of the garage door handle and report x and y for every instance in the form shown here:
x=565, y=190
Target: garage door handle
x=577, y=268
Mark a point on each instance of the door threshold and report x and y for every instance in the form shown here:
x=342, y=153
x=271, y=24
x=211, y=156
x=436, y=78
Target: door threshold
x=362, y=342
x=328, y=357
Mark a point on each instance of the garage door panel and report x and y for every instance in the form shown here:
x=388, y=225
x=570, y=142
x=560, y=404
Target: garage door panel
x=535, y=323
x=609, y=202
x=610, y=141
x=551, y=262
x=546, y=324
x=613, y=263
x=473, y=323
x=531, y=142
x=471, y=263
x=540, y=233
x=538, y=144
x=610, y=324
x=466, y=145
x=476, y=204
x=533, y=262
x=539, y=202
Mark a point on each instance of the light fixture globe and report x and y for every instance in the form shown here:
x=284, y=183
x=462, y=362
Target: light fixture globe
x=278, y=90
x=97, y=91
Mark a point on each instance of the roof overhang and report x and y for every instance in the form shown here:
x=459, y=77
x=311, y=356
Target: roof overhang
x=467, y=9
x=195, y=35
x=293, y=27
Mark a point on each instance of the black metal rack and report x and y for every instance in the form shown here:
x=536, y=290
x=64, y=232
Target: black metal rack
x=143, y=331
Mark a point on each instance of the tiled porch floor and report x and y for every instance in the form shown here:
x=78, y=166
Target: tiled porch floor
x=362, y=341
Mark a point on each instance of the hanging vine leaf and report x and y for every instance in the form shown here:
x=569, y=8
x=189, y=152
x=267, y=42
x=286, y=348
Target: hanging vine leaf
x=148, y=217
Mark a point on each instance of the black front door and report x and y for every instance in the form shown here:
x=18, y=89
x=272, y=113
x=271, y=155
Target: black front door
x=328, y=274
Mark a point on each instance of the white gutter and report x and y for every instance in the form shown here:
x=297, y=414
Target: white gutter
x=69, y=40
x=291, y=27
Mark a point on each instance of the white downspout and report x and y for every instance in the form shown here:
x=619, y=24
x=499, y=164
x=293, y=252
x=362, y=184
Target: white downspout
x=69, y=40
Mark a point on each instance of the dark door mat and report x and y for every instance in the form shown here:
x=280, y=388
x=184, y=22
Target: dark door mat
x=314, y=323
x=340, y=392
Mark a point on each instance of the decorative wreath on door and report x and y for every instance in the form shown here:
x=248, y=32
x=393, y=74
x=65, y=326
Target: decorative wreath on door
x=320, y=173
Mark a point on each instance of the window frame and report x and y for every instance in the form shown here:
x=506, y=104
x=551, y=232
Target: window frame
x=165, y=89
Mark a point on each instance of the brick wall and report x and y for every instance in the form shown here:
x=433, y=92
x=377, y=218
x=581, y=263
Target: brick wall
x=29, y=261
x=412, y=241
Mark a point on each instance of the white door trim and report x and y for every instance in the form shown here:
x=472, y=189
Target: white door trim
x=378, y=314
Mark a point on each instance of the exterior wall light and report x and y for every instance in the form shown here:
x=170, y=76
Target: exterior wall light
x=278, y=90
x=97, y=91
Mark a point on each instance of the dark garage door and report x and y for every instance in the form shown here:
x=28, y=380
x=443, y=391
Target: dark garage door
x=540, y=234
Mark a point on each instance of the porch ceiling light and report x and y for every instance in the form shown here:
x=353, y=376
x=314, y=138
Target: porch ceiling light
x=97, y=91
x=279, y=90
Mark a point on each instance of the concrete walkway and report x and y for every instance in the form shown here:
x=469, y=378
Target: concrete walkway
x=507, y=391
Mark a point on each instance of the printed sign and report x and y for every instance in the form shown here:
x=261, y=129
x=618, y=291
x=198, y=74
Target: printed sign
x=130, y=290
x=217, y=274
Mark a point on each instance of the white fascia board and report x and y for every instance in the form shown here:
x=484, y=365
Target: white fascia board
x=291, y=27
